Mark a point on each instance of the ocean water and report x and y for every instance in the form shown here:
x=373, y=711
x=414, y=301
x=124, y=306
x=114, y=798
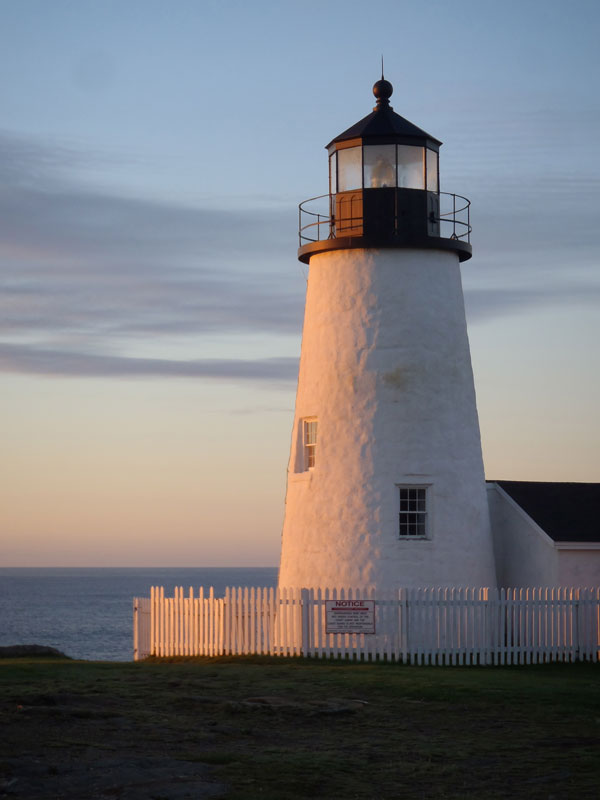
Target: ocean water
x=87, y=613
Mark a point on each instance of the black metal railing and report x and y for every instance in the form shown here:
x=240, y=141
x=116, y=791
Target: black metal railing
x=317, y=220
x=457, y=216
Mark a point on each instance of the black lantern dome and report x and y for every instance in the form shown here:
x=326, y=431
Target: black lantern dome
x=384, y=190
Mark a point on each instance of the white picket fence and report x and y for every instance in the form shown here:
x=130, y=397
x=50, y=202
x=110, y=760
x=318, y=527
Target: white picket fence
x=417, y=626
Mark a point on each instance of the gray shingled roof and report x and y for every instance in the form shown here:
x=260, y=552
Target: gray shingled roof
x=567, y=512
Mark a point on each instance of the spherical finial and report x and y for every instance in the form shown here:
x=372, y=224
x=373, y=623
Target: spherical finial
x=383, y=91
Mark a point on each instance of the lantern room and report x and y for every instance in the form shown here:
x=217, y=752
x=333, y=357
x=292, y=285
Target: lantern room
x=382, y=151
x=384, y=190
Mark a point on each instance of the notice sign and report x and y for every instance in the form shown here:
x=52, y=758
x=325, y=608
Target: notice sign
x=350, y=616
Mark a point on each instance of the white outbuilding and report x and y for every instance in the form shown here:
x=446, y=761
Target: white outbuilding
x=545, y=533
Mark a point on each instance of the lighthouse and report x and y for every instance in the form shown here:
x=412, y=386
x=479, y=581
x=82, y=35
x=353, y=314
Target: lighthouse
x=385, y=485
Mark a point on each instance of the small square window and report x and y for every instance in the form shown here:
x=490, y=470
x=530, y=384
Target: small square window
x=412, y=519
x=310, y=443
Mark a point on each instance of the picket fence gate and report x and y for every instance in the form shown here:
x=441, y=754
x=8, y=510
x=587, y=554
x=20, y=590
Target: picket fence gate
x=458, y=626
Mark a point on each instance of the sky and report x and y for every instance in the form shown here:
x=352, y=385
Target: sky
x=152, y=157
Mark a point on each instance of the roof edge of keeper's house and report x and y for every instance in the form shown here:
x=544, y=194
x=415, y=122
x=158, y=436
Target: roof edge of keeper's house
x=567, y=511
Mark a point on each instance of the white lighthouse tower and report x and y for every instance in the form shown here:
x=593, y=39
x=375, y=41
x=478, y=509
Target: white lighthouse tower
x=385, y=484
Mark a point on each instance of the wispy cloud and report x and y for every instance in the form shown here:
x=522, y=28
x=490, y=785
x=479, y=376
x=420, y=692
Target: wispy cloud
x=81, y=263
x=85, y=271
x=44, y=361
x=488, y=304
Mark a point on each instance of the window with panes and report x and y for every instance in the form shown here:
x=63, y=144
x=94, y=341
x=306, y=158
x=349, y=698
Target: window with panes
x=310, y=443
x=412, y=519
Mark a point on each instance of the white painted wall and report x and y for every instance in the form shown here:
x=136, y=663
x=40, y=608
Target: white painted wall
x=579, y=566
x=525, y=555
x=386, y=369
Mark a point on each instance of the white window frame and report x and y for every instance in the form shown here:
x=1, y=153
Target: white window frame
x=310, y=432
x=414, y=509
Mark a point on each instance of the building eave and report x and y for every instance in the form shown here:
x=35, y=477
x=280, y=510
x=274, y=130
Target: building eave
x=577, y=545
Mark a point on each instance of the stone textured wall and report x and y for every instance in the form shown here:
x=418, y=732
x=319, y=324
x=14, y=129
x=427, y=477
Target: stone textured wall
x=386, y=370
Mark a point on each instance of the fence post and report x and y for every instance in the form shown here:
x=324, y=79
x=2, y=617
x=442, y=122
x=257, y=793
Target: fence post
x=305, y=610
x=575, y=626
x=135, y=630
x=152, y=621
x=403, y=616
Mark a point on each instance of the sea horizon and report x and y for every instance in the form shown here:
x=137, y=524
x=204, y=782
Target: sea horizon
x=6, y=568
x=87, y=612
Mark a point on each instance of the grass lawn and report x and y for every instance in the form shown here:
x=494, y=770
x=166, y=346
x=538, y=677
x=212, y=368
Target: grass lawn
x=247, y=728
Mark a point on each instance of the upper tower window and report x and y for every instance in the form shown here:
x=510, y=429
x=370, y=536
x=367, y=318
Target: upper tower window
x=310, y=443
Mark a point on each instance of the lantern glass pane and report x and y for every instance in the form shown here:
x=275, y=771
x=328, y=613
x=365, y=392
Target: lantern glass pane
x=380, y=165
x=411, y=168
x=333, y=173
x=349, y=169
x=433, y=184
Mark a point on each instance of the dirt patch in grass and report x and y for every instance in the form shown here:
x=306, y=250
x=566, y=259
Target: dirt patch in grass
x=280, y=729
